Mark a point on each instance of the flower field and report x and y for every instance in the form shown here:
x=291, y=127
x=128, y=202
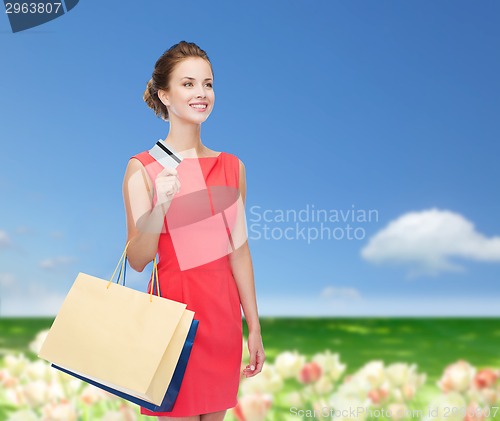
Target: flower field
x=316, y=369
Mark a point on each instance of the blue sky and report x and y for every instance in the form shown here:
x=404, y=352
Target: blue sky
x=332, y=105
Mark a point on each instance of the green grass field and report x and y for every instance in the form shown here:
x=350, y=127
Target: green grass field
x=432, y=343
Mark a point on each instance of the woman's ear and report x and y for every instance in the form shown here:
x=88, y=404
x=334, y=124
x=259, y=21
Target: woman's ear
x=162, y=95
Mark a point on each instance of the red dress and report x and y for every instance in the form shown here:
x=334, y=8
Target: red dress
x=212, y=376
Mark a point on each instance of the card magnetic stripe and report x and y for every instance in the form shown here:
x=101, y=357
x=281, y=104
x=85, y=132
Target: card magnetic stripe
x=165, y=149
x=159, y=152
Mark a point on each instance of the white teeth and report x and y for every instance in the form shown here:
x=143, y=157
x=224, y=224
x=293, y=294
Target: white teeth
x=198, y=106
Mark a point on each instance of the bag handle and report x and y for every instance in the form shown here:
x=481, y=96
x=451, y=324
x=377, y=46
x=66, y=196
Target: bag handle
x=155, y=274
x=122, y=260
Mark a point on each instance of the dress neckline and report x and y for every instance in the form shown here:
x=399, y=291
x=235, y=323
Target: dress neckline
x=206, y=157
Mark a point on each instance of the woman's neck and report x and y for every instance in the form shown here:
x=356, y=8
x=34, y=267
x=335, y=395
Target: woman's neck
x=186, y=140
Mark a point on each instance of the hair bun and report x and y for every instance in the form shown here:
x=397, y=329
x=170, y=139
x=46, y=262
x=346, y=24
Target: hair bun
x=148, y=95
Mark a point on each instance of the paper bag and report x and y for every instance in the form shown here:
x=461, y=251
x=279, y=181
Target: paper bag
x=127, y=340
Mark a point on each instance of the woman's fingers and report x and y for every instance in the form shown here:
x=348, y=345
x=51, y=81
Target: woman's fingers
x=167, y=184
x=257, y=359
x=167, y=171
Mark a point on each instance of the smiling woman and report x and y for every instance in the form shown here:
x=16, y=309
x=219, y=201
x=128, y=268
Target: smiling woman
x=162, y=79
x=214, y=276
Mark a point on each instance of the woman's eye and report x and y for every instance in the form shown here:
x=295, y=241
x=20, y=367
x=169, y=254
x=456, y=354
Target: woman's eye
x=190, y=83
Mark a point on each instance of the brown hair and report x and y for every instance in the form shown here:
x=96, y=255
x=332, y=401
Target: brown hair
x=163, y=70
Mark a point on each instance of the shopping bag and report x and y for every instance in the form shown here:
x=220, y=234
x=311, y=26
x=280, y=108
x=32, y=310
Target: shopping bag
x=173, y=387
x=135, y=344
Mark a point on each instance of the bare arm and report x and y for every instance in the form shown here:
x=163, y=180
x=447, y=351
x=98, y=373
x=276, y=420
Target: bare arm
x=145, y=222
x=242, y=268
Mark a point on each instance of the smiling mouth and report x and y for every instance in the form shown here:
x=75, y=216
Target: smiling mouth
x=198, y=106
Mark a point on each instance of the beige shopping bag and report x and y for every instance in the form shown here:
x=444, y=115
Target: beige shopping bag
x=122, y=338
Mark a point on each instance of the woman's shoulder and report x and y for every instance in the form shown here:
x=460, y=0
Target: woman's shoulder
x=143, y=157
x=234, y=168
x=235, y=162
x=233, y=157
x=229, y=154
x=144, y=160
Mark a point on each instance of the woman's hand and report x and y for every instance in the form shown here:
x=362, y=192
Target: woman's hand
x=257, y=355
x=167, y=185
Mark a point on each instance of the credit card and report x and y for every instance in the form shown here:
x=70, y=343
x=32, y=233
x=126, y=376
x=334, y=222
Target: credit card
x=165, y=155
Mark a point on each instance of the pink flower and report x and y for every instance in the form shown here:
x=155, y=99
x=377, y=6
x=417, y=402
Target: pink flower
x=310, y=373
x=7, y=379
x=408, y=391
x=378, y=395
x=485, y=378
x=252, y=407
x=457, y=376
x=474, y=413
x=59, y=411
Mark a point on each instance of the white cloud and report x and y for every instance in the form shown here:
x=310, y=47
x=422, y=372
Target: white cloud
x=57, y=235
x=7, y=279
x=426, y=241
x=24, y=229
x=4, y=239
x=340, y=293
x=56, y=262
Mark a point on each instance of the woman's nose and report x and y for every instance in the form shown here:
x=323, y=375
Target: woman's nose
x=201, y=93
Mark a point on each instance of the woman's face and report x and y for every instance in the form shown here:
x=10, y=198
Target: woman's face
x=190, y=96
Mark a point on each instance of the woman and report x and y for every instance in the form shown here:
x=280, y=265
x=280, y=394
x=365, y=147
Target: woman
x=181, y=92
